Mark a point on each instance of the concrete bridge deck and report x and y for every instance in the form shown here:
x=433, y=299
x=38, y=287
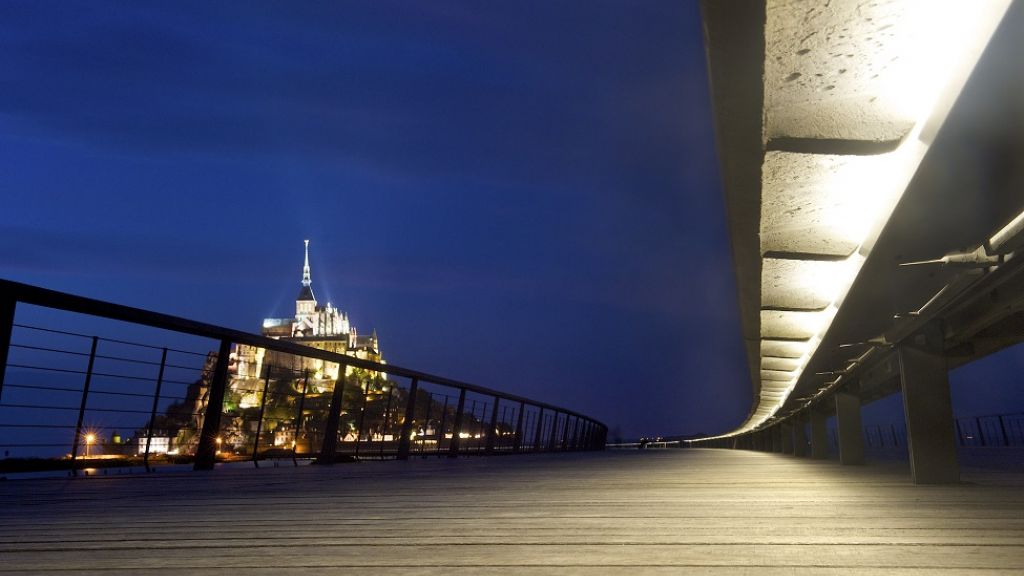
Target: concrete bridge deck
x=656, y=512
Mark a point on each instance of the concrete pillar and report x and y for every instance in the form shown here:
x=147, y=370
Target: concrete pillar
x=800, y=436
x=850, y=431
x=819, y=434
x=928, y=409
x=786, y=430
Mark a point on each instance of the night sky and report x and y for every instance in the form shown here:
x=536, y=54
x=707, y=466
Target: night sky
x=522, y=195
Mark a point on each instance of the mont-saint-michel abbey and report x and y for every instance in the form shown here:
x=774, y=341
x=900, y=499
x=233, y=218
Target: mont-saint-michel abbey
x=267, y=387
x=323, y=327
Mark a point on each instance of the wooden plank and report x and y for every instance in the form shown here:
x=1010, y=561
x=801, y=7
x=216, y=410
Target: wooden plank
x=705, y=511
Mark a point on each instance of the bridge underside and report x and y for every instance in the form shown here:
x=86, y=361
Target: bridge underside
x=707, y=511
x=871, y=165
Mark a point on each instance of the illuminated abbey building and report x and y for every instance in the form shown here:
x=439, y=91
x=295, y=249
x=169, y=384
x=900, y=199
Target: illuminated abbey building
x=324, y=327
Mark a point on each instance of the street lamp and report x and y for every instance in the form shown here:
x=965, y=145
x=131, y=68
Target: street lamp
x=90, y=439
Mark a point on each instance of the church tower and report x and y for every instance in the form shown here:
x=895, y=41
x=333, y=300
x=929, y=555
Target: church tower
x=305, y=305
x=319, y=326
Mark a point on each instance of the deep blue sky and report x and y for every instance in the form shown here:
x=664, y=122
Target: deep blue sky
x=518, y=194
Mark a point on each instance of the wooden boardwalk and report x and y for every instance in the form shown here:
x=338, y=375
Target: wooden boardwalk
x=654, y=512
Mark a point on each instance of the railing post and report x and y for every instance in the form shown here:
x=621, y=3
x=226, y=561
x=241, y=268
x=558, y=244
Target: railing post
x=1002, y=428
x=504, y=420
x=552, y=435
x=538, y=429
x=453, y=447
x=444, y=420
x=298, y=418
x=565, y=434
x=259, y=423
x=329, y=447
x=479, y=422
x=426, y=424
x=519, y=429
x=472, y=414
x=152, y=414
x=362, y=418
x=206, y=452
x=81, y=407
x=7, y=308
x=387, y=421
x=405, y=439
x=492, y=427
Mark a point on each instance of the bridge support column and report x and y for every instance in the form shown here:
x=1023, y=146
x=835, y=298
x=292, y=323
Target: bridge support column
x=786, y=430
x=851, y=436
x=924, y=377
x=819, y=435
x=800, y=436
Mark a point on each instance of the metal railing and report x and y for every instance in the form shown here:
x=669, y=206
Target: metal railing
x=66, y=394
x=994, y=430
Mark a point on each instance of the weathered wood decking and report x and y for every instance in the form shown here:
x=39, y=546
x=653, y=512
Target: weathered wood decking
x=665, y=512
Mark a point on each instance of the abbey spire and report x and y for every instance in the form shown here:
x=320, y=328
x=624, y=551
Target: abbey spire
x=306, y=281
x=320, y=326
x=305, y=304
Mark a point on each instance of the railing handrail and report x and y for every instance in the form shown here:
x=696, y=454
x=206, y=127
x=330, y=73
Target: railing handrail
x=35, y=295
